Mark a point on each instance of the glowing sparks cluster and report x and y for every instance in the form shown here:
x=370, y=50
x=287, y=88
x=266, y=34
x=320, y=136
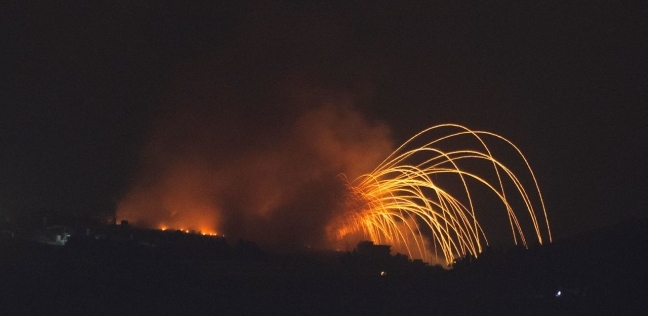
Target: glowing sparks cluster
x=402, y=203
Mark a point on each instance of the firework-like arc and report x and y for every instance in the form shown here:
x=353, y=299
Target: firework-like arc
x=398, y=200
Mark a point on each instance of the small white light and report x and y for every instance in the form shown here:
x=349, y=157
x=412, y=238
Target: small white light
x=558, y=294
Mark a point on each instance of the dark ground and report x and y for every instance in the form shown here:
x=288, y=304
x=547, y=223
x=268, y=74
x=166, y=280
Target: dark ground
x=601, y=272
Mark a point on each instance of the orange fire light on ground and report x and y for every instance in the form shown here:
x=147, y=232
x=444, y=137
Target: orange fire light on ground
x=205, y=232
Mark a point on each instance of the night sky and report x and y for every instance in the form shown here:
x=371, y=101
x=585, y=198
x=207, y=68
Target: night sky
x=100, y=101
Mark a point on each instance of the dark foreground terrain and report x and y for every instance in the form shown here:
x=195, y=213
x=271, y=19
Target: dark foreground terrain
x=602, y=273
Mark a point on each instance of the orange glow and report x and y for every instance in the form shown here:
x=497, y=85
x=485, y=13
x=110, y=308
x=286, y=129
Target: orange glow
x=402, y=203
x=180, y=202
x=187, y=231
x=195, y=178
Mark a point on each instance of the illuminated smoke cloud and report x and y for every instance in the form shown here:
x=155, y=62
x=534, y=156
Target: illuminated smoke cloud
x=268, y=176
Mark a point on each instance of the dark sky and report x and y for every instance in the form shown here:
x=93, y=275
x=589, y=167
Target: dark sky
x=85, y=88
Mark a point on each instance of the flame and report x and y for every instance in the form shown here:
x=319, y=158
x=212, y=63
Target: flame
x=188, y=231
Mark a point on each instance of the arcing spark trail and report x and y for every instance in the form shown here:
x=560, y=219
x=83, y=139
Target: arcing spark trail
x=402, y=204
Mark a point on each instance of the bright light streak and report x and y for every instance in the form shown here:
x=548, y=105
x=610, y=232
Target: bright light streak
x=401, y=202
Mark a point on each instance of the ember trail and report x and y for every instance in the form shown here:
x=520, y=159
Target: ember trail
x=401, y=203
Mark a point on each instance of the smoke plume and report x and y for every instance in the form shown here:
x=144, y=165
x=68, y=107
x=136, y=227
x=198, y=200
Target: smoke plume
x=270, y=174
